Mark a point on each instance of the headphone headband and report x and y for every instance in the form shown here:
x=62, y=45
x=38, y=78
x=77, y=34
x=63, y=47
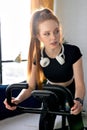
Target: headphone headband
x=45, y=61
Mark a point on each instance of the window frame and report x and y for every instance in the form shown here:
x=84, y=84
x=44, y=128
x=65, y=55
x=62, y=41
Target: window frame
x=0, y=57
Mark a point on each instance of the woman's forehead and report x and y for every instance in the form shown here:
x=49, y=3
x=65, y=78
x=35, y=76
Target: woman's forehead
x=48, y=24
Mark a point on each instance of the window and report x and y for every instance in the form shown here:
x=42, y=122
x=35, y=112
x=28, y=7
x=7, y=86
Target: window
x=14, y=17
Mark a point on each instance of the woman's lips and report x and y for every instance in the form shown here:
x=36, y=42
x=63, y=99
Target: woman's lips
x=53, y=43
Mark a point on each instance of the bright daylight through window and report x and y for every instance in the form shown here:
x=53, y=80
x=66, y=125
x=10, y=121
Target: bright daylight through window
x=14, y=18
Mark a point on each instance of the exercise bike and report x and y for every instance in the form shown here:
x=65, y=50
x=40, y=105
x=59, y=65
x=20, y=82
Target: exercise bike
x=62, y=97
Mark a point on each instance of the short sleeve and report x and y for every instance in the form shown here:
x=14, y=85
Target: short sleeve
x=76, y=55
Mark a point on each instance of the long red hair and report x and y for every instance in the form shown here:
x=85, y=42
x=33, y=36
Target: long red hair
x=38, y=17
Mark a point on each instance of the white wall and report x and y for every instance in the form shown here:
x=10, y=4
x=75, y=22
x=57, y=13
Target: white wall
x=73, y=17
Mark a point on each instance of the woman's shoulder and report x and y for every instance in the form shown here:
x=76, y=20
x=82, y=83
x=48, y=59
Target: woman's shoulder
x=72, y=51
x=70, y=46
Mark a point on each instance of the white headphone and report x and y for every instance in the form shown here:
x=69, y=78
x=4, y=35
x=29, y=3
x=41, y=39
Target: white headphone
x=44, y=62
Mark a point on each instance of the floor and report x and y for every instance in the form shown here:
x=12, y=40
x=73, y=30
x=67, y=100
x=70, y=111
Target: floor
x=23, y=122
x=27, y=121
x=20, y=122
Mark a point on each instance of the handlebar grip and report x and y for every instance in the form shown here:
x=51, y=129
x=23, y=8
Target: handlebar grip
x=11, y=87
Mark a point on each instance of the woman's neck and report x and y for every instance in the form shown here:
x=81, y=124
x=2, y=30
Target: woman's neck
x=54, y=52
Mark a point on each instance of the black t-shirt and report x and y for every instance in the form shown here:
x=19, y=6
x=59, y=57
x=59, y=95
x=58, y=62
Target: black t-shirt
x=55, y=72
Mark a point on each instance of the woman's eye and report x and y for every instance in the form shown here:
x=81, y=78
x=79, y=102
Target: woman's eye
x=47, y=34
x=57, y=31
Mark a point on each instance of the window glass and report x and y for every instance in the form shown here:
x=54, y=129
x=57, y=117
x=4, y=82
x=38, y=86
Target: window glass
x=14, y=15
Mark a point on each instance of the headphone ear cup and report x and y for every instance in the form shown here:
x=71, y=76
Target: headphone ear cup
x=60, y=59
x=44, y=62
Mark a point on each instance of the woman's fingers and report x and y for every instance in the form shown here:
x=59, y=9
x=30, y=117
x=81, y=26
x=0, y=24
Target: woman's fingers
x=8, y=106
x=77, y=108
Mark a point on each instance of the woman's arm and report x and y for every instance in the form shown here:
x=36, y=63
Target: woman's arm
x=79, y=87
x=79, y=79
x=25, y=93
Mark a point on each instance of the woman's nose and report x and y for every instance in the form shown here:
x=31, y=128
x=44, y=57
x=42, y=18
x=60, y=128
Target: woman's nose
x=53, y=36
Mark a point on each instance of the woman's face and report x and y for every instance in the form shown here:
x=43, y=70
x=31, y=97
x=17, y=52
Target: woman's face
x=49, y=34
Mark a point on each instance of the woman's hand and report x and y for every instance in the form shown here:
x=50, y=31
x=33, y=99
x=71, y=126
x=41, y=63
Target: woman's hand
x=77, y=108
x=14, y=101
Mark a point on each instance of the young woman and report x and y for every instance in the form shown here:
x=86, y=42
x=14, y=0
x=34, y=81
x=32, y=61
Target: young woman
x=60, y=64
